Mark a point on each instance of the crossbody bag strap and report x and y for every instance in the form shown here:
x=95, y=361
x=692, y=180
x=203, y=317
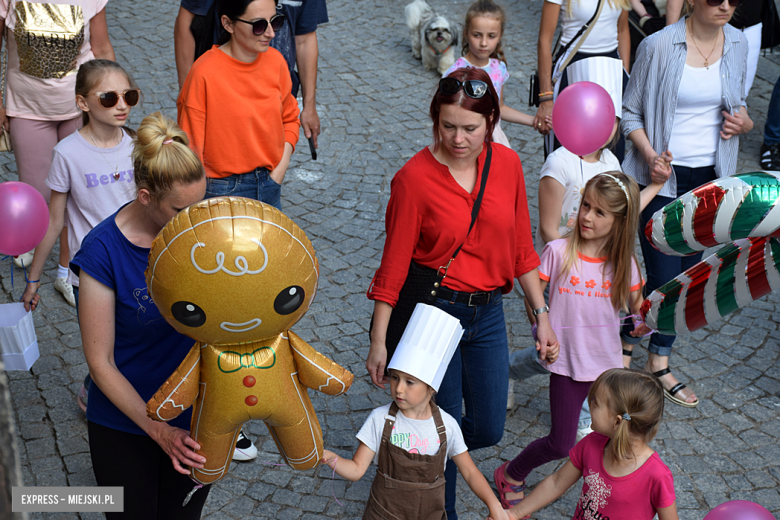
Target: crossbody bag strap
x=474, y=209
x=580, y=38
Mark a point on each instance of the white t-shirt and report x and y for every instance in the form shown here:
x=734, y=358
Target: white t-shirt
x=698, y=119
x=87, y=174
x=573, y=173
x=412, y=435
x=603, y=36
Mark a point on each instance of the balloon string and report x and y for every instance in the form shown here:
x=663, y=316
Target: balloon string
x=332, y=478
x=652, y=331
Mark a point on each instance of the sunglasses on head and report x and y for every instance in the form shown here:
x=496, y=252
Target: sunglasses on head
x=716, y=3
x=261, y=25
x=473, y=88
x=111, y=98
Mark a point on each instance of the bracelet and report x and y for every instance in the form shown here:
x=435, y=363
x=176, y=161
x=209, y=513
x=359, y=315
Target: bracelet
x=546, y=98
x=546, y=94
x=33, y=281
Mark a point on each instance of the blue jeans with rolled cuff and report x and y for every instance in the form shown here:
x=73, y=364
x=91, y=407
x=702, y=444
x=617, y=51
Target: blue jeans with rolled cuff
x=772, y=125
x=478, y=375
x=257, y=185
x=662, y=268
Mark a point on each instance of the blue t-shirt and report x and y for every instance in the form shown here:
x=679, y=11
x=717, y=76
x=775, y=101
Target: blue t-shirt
x=147, y=350
x=302, y=17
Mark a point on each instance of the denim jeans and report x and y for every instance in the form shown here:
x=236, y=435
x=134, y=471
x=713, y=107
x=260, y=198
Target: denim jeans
x=772, y=126
x=478, y=374
x=662, y=268
x=525, y=363
x=256, y=185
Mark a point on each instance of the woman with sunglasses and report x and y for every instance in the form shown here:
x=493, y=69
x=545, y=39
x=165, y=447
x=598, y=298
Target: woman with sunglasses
x=685, y=103
x=91, y=171
x=428, y=217
x=40, y=76
x=236, y=105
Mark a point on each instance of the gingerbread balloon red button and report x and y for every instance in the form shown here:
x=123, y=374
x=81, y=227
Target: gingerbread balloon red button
x=249, y=381
x=251, y=400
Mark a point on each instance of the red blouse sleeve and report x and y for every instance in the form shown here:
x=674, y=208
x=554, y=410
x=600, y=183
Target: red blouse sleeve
x=402, y=224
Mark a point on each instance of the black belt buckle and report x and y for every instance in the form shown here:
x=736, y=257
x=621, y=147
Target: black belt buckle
x=479, y=295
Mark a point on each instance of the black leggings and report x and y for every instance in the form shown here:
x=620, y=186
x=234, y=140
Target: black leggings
x=153, y=489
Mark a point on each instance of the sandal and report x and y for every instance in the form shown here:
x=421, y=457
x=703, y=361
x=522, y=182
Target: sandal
x=671, y=393
x=503, y=486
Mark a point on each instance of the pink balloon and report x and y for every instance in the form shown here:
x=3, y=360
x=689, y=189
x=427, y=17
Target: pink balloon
x=739, y=510
x=583, y=117
x=24, y=218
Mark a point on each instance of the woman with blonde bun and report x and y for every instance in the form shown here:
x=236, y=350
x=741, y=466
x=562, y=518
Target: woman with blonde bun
x=130, y=349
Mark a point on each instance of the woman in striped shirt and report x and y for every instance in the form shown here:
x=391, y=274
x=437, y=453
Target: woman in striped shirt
x=685, y=103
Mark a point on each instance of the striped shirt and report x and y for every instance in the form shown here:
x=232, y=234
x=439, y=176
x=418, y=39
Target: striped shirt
x=650, y=100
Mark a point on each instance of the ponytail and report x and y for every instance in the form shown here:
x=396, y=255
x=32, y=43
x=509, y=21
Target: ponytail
x=638, y=399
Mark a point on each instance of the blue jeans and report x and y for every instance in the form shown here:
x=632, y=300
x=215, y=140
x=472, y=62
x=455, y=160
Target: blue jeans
x=661, y=268
x=479, y=375
x=525, y=363
x=772, y=126
x=256, y=185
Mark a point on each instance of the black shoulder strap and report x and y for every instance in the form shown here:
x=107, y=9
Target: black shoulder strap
x=478, y=202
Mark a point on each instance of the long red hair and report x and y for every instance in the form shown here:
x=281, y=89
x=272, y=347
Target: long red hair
x=488, y=105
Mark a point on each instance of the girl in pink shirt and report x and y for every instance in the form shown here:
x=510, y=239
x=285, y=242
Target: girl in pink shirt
x=592, y=273
x=624, y=477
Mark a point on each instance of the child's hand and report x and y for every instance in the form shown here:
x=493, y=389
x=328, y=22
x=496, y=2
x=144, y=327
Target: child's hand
x=498, y=514
x=641, y=330
x=661, y=168
x=552, y=352
x=329, y=458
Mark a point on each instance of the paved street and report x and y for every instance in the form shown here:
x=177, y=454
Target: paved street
x=373, y=100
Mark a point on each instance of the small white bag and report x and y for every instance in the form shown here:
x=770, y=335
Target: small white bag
x=18, y=342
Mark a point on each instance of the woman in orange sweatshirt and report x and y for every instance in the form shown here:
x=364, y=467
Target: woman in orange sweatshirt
x=236, y=105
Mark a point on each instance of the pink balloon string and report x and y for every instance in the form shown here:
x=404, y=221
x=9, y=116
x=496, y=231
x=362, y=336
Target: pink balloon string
x=631, y=316
x=332, y=478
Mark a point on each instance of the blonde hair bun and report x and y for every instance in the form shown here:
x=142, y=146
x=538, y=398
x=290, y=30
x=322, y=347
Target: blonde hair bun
x=161, y=155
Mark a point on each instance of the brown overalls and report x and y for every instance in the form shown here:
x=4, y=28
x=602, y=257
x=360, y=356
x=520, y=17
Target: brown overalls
x=416, y=488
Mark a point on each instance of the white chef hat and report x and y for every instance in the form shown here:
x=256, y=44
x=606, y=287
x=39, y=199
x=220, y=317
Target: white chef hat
x=605, y=72
x=427, y=345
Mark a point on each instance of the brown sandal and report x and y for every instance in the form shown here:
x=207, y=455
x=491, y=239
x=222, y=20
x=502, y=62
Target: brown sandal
x=672, y=392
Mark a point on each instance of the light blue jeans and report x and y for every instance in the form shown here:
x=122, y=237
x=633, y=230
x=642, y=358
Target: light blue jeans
x=525, y=363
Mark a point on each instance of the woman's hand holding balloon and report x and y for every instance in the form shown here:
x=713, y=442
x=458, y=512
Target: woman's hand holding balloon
x=178, y=445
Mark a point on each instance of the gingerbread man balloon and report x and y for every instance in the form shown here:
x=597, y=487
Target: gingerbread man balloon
x=235, y=274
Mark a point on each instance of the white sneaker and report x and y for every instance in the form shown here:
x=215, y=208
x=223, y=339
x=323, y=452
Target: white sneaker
x=27, y=258
x=62, y=285
x=245, y=450
x=582, y=433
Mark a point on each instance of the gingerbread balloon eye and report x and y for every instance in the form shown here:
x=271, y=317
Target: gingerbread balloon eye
x=289, y=300
x=188, y=314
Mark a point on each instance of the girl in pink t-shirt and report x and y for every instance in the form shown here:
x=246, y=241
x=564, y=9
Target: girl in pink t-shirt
x=592, y=273
x=623, y=476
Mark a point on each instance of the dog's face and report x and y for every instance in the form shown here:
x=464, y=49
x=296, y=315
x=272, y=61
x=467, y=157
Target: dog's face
x=439, y=33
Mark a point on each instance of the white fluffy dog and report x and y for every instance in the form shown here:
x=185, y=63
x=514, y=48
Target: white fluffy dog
x=434, y=38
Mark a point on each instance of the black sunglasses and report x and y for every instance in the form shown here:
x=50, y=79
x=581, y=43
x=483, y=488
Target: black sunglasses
x=473, y=88
x=716, y=3
x=111, y=98
x=261, y=25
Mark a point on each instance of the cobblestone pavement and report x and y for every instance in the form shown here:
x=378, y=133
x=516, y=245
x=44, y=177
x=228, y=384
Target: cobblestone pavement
x=373, y=101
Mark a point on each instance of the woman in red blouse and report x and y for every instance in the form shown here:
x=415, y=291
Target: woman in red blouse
x=427, y=218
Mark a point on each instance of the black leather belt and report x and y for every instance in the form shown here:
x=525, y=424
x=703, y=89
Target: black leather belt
x=471, y=299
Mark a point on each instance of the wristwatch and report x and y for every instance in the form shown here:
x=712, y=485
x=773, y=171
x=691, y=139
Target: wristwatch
x=541, y=310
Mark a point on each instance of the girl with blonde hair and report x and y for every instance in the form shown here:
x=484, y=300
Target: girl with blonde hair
x=592, y=273
x=130, y=349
